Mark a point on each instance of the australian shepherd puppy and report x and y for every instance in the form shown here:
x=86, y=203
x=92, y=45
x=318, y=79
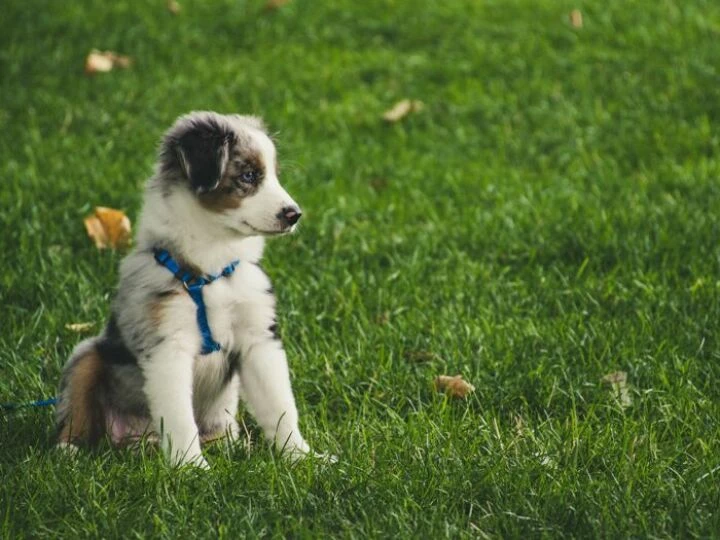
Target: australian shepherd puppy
x=192, y=328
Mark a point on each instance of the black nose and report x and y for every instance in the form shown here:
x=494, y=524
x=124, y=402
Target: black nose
x=290, y=215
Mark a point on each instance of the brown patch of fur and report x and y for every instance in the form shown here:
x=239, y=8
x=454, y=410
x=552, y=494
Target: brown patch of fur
x=158, y=304
x=231, y=191
x=221, y=198
x=85, y=420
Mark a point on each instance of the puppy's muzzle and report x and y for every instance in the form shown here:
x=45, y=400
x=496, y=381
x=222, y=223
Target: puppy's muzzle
x=289, y=216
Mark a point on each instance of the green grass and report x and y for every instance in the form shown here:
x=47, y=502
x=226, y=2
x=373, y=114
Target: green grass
x=551, y=216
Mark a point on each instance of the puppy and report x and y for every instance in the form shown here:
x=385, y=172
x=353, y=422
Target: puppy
x=192, y=328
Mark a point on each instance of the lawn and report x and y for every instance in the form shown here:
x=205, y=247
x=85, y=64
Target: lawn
x=549, y=217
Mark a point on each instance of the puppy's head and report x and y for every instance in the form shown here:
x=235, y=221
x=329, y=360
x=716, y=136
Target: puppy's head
x=227, y=164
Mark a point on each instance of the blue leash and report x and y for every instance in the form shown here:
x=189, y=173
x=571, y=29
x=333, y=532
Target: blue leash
x=193, y=285
x=38, y=403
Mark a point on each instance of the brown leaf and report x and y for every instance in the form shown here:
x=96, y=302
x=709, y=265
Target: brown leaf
x=79, y=326
x=122, y=61
x=576, y=18
x=108, y=228
x=453, y=386
x=104, y=61
x=617, y=383
x=271, y=5
x=173, y=7
x=401, y=109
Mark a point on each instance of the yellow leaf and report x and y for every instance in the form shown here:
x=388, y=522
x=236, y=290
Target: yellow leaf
x=104, y=61
x=108, y=227
x=79, y=327
x=576, y=18
x=173, y=7
x=454, y=386
x=401, y=109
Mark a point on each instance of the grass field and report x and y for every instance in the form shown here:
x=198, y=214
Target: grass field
x=552, y=215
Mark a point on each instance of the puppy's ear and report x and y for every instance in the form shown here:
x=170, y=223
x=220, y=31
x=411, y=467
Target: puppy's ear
x=202, y=152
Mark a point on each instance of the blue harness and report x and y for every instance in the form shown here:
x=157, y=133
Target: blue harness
x=193, y=285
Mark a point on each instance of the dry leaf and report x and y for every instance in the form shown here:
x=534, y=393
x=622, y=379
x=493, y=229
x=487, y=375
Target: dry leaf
x=401, y=109
x=173, y=7
x=79, y=326
x=108, y=227
x=122, y=61
x=271, y=5
x=104, y=61
x=97, y=62
x=454, y=386
x=576, y=19
x=617, y=383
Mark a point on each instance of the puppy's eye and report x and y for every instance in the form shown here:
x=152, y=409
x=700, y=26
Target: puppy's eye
x=250, y=176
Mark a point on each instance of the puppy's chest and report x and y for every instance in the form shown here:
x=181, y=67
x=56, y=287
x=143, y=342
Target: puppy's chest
x=236, y=304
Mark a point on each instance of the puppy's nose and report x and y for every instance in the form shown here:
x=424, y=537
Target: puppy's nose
x=290, y=215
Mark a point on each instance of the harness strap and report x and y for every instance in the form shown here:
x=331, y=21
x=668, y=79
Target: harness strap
x=193, y=285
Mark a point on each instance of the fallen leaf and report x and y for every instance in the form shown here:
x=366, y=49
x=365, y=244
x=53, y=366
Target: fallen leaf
x=173, y=7
x=104, y=61
x=122, y=61
x=576, y=18
x=79, y=326
x=108, y=227
x=617, y=383
x=97, y=63
x=453, y=386
x=271, y=5
x=401, y=109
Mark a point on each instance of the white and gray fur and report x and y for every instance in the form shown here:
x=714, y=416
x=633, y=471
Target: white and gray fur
x=213, y=198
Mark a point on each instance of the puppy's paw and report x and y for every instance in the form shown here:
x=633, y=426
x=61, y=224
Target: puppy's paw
x=200, y=463
x=197, y=463
x=298, y=453
x=295, y=451
x=194, y=461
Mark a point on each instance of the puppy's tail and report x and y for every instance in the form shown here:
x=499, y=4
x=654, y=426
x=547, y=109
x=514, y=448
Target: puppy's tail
x=80, y=413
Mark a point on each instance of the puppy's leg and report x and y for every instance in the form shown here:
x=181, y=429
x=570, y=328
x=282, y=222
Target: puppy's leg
x=266, y=386
x=168, y=387
x=80, y=416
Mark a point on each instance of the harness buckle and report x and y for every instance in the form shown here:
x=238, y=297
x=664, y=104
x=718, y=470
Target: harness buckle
x=194, y=284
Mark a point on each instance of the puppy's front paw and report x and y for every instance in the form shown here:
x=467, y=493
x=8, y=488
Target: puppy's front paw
x=196, y=460
x=296, y=453
x=200, y=463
